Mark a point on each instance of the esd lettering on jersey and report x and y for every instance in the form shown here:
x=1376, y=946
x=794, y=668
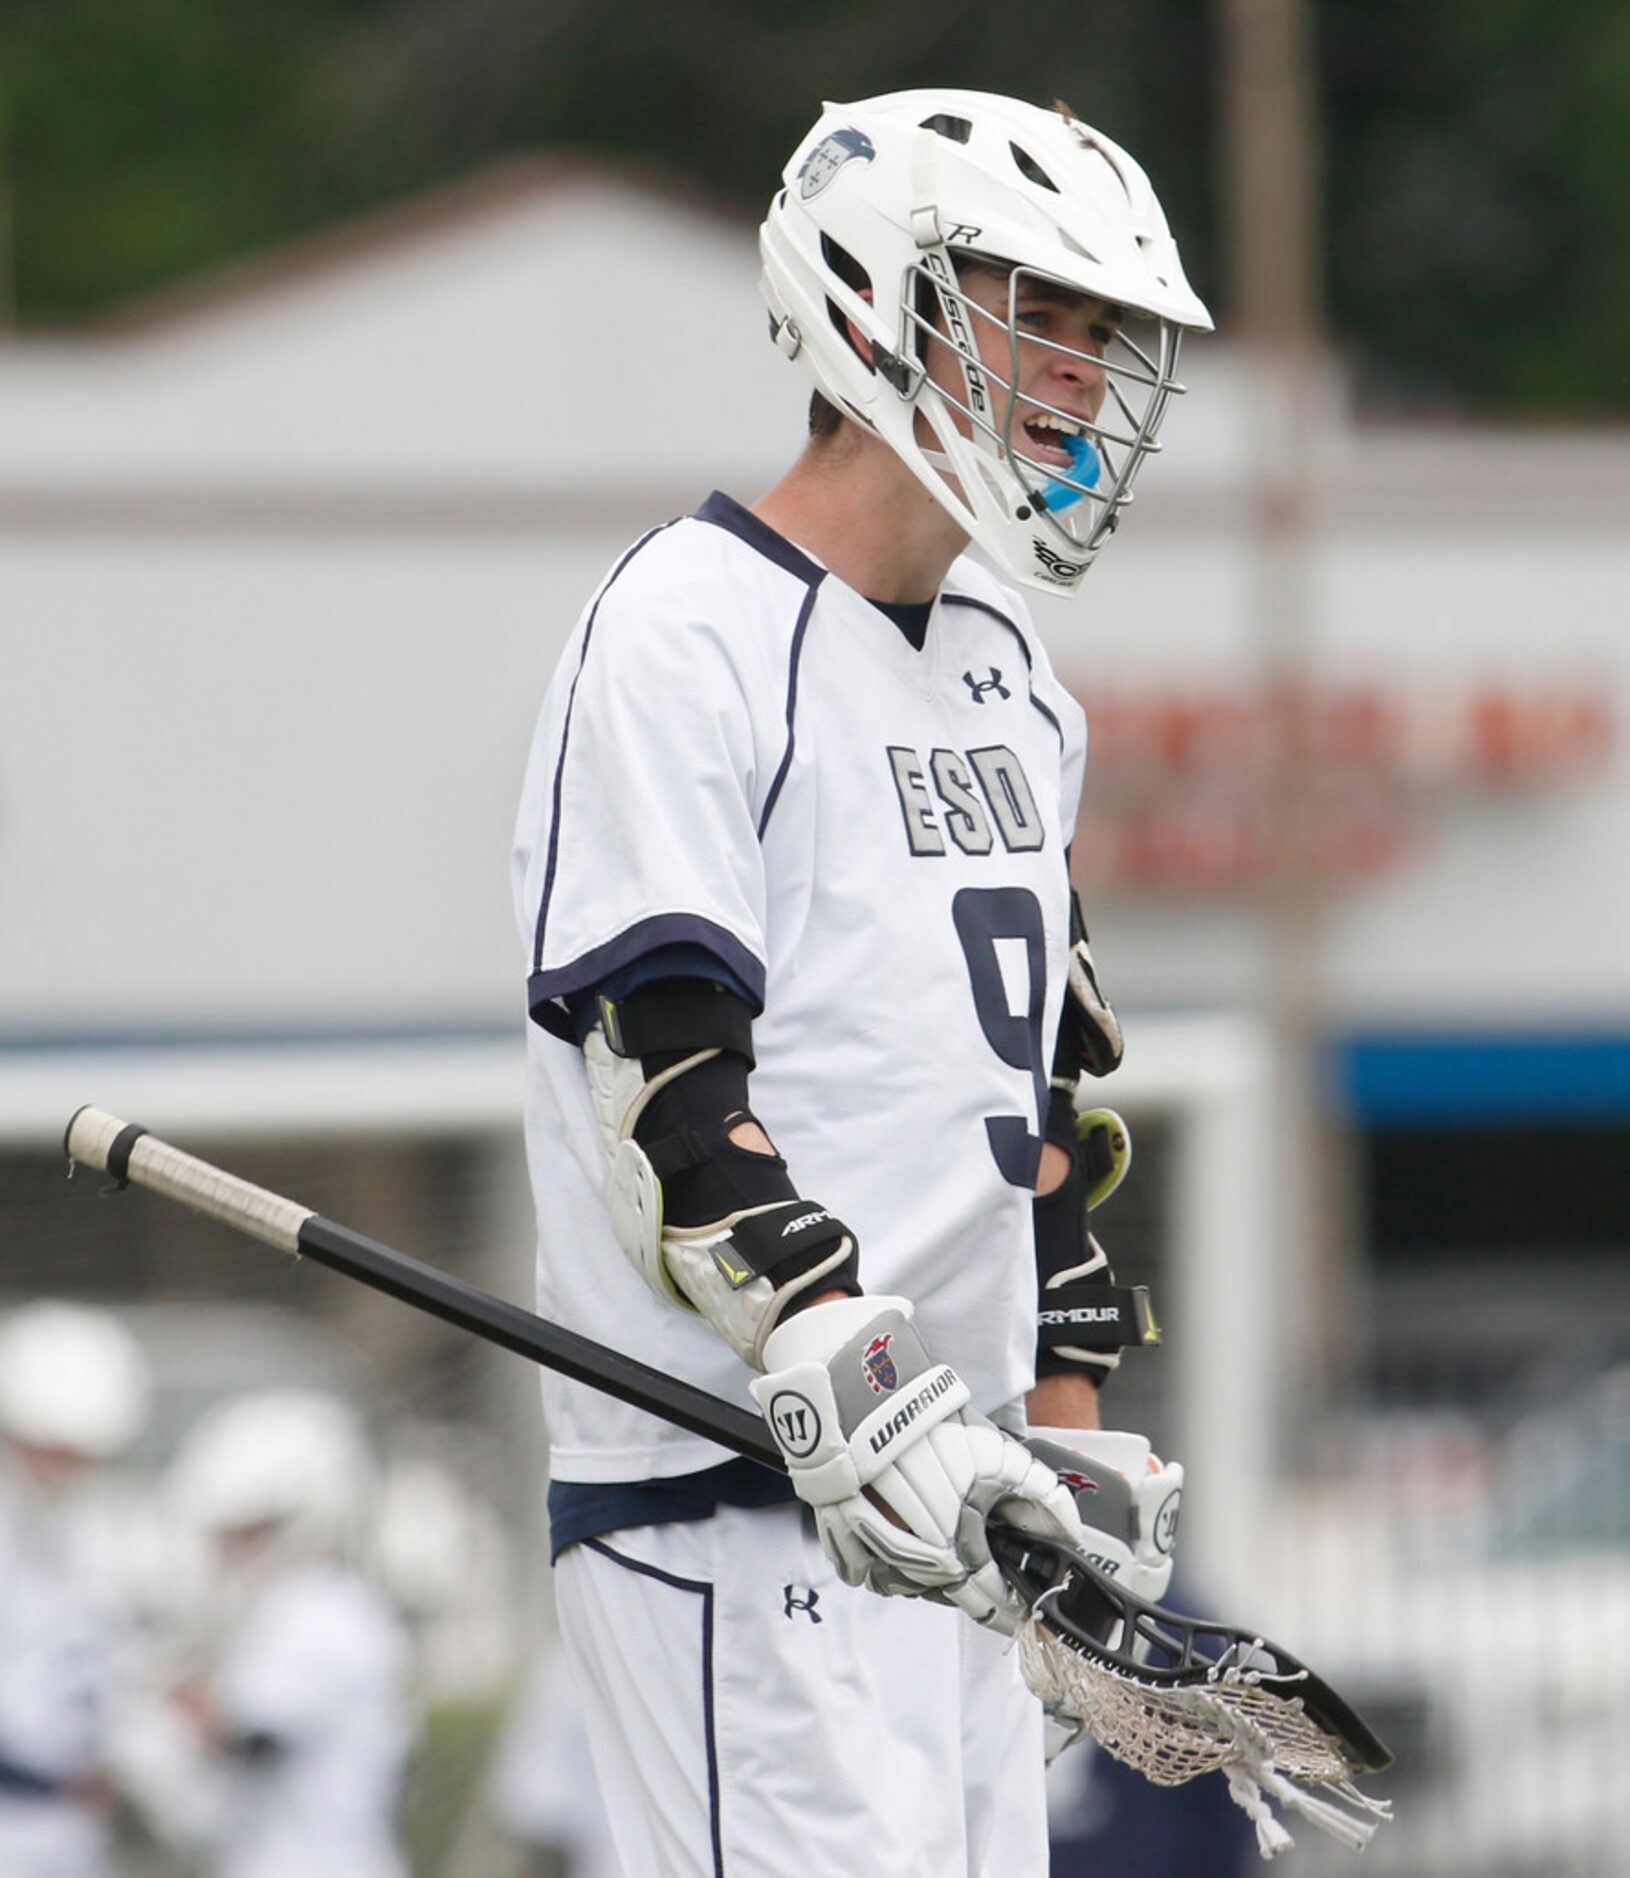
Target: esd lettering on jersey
x=967, y=800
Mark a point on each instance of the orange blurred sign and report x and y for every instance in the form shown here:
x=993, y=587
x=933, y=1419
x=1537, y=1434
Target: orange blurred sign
x=1181, y=783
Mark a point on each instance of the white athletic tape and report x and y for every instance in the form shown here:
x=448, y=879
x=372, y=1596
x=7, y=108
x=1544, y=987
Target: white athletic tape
x=159, y=1168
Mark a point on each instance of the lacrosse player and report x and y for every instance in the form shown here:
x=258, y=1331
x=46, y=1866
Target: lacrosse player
x=542, y=1788
x=278, y=1753
x=73, y=1395
x=797, y=816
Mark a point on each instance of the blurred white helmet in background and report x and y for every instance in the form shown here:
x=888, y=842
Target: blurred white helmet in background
x=294, y=1460
x=883, y=200
x=72, y=1378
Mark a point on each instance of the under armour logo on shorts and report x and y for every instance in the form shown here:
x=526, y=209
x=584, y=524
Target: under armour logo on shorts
x=979, y=686
x=806, y=1604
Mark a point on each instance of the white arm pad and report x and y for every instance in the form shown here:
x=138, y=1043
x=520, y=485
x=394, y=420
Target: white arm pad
x=709, y=1268
x=619, y=1092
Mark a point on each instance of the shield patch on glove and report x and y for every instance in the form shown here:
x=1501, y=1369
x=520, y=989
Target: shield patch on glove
x=875, y=1360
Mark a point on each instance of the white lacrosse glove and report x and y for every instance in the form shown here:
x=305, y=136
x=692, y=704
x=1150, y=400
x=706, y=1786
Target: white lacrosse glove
x=1128, y=1502
x=871, y=1426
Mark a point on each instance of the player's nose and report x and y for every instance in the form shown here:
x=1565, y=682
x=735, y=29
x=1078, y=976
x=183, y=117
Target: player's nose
x=1081, y=363
x=1078, y=373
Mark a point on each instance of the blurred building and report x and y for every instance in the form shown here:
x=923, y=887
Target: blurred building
x=285, y=562
x=298, y=549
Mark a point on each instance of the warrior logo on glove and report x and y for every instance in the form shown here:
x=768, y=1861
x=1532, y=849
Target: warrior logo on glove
x=796, y=1421
x=881, y=1375
x=1165, y=1530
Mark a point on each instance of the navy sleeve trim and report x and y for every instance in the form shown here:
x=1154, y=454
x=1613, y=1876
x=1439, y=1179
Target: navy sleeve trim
x=693, y=962
x=984, y=606
x=543, y=989
x=565, y=744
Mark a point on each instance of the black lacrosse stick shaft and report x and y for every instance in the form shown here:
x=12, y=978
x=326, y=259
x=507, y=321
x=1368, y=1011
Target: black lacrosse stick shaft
x=469, y=1308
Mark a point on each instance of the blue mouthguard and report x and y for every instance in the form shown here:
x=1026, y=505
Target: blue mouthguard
x=1084, y=467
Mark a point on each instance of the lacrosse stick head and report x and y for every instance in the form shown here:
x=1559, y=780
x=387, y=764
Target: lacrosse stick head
x=1175, y=1696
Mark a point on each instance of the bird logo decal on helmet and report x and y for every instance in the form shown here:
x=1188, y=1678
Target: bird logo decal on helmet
x=829, y=156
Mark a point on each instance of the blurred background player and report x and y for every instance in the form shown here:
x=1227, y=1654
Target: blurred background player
x=278, y=1752
x=542, y=1789
x=73, y=1396
x=799, y=806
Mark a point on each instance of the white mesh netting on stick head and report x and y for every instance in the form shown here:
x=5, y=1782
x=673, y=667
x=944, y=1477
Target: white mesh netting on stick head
x=1175, y=1696
x=1260, y=1737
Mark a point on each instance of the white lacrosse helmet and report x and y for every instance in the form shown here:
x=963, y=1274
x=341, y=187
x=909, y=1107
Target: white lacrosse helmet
x=886, y=195
x=71, y=1378
x=293, y=1459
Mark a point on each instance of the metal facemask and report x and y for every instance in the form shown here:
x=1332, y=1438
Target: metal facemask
x=1042, y=520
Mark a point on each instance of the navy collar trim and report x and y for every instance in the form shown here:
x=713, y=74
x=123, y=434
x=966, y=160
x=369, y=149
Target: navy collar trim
x=725, y=512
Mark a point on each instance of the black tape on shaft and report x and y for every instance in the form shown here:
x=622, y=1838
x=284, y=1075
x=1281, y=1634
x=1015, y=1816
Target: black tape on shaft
x=118, y=1162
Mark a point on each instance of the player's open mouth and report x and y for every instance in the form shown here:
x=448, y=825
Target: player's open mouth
x=1046, y=440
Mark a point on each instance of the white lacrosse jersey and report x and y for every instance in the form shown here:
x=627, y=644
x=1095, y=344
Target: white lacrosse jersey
x=740, y=752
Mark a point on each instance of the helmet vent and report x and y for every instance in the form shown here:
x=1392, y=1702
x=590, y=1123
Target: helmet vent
x=1075, y=246
x=844, y=264
x=850, y=272
x=957, y=129
x=1031, y=170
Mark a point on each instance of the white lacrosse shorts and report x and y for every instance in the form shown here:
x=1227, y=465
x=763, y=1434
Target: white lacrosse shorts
x=751, y=1716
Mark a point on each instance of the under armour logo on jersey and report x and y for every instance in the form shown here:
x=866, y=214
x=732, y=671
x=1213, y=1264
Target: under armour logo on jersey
x=806, y=1603
x=979, y=686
